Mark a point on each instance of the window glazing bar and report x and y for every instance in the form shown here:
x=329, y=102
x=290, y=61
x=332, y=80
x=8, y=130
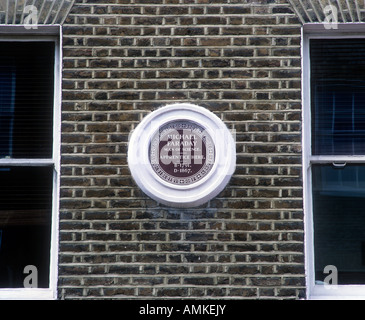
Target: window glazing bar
x=26, y=162
x=337, y=159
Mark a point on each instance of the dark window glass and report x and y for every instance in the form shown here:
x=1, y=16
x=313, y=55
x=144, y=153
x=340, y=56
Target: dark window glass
x=25, y=224
x=338, y=96
x=26, y=99
x=26, y=132
x=339, y=221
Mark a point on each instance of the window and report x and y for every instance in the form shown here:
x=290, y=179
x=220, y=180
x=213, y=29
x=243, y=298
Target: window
x=334, y=160
x=26, y=97
x=29, y=164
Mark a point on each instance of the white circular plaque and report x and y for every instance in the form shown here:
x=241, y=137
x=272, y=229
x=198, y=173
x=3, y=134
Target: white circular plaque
x=181, y=155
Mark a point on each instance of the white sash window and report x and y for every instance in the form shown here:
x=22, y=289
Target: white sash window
x=29, y=161
x=334, y=160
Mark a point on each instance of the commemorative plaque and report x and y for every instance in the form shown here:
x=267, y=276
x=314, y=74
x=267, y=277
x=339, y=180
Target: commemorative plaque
x=181, y=155
x=182, y=152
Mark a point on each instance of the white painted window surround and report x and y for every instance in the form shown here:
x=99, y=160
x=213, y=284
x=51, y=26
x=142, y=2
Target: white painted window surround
x=317, y=31
x=51, y=33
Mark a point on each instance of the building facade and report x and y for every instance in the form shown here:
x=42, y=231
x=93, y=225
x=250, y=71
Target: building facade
x=280, y=225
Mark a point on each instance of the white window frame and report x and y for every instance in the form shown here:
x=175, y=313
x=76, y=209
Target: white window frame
x=318, y=31
x=49, y=33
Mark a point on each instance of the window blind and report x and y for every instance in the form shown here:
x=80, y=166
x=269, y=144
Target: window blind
x=338, y=96
x=26, y=99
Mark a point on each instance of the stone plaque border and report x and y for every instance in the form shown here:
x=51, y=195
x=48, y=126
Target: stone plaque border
x=176, y=195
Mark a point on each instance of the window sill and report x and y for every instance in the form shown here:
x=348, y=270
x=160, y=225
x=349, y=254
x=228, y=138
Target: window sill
x=27, y=294
x=339, y=292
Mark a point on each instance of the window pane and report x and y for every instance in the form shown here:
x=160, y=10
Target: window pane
x=339, y=221
x=338, y=96
x=7, y=102
x=25, y=223
x=26, y=99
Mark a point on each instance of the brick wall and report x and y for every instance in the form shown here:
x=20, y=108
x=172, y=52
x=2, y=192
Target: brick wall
x=125, y=58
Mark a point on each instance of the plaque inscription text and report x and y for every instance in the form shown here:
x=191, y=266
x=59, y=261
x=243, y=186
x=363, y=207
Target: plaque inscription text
x=182, y=152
